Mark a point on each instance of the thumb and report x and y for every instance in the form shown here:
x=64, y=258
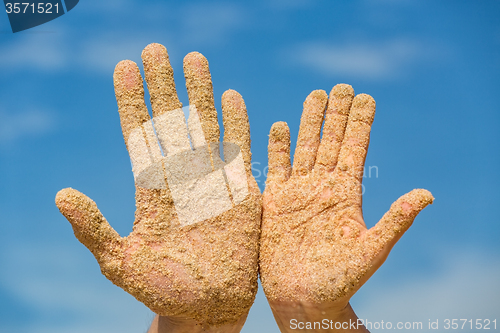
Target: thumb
x=398, y=219
x=92, y=229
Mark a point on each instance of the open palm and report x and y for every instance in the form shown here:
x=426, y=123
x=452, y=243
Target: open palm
x=206, y=271
x=315, y=246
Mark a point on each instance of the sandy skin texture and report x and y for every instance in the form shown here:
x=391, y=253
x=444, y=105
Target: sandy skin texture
x=315, y=247
x=206, y=271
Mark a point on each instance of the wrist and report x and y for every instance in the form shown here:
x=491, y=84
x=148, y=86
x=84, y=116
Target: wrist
x=165, y=324
x=310, y=317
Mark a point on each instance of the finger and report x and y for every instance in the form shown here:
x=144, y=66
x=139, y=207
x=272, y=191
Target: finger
x=397, y=220
x=169, y=120
x=92, y=230
x=129, y=93
x=236, y=125
x=337, y=112
x=357, y=137
x=200, y=93
x=160, y=79
x=309, y=132
x=279, y=153
x=137, y=128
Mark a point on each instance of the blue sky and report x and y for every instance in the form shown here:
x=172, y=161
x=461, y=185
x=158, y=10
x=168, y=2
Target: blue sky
x=432, y=66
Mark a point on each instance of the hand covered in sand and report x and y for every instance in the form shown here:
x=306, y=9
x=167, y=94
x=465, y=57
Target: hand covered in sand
x=204, y=272
x=316, y=251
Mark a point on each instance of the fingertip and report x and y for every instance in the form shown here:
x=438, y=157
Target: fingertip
x=316, y=100
x=363, y=108
x=280, y=131
x=61, y=194
x=318, y=94
x=233, y=99
x=195, y=60
x=126, y=76
x=342, y=90
x=63, y=197
x=424, y=194
x=153, y=51
x=76, y=207
x=412, y=203
x=60, y=198
x=232, y=96
x=363, y=100
x=69, y=199
x=125, y=66
x=154, y=55
x=419, y=198
x=193, y=55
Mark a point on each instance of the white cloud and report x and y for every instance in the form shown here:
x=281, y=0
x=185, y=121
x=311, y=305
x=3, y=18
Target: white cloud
x=210, y=22
x=16, y=125
x=465, y=287
x=53, y=52
x=102, y=54
x=289, y=4
x=390, y=2
x=200, y=24
x=43, y=50
x=56, y=281
x=65, y=284
x=109, y=7
x=366, y=60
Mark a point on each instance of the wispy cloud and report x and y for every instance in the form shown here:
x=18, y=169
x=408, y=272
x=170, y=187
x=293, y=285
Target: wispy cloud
x=53, y=52
x=181, y=25
x=103, y=54
x=368, y=60
x=40, y=51
x=16, y=125
x=63, y=297
x=466, y=286
x=210, y=22
x=289, y=4
x=109, y=7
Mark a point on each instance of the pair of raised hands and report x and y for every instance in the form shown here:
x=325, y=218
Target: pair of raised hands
x=305, y=235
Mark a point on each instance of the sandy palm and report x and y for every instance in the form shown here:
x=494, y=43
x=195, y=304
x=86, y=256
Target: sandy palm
x=205, y=271
x=315, y=246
